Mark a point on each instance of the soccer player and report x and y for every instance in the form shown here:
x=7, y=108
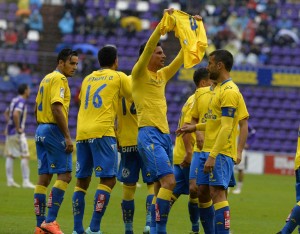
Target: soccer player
x=131, y=164
x=149, y=78
x=293, y=219
x=95, y=138
x=241, y=166
x=53, y=141
x=183, y=151
x=219, y=154
x=16, y=143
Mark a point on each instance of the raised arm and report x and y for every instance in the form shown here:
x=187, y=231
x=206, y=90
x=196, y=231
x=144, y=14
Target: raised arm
x=141, y=66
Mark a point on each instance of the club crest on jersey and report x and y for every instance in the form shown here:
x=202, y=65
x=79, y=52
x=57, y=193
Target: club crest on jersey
x=125, y=172
x=62, y=92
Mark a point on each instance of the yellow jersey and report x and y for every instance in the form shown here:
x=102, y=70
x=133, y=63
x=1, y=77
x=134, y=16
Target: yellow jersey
x=200, y=107
x=191, y=34
x=53, y=88
x=99, y=96
x=148, y=88
x=297, y=157
x=225, y=94
x=127, y=127
x=185, y=117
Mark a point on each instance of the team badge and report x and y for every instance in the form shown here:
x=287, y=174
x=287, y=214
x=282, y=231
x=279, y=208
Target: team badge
x=125, y=172
x=62, y=92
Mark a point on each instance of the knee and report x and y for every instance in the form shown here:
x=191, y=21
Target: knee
x=168, y=183
x=109, y=182
x=193, y=190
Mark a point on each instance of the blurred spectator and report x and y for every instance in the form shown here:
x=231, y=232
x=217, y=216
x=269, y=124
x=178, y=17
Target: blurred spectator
x=98, y=27
x=284, y=22
x=11, y=38
x=66, y=23
x=13, y=69
x=79, y=8
x=36, y=21
x=89, y=24
x=112, y=22
x=79, y=27
x=131, y=24
x=2, y=37
x=35, y=4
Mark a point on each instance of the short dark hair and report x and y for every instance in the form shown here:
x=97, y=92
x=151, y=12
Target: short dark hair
x=142, y=47
x=200, y=74
x=107, y=56
x=64, y=54
x=223, y=56
x=22, y=88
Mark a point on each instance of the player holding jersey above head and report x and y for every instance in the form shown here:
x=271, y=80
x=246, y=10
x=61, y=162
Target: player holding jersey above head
x=53, y=141
x=16, y=143
x=95, y=138
x=220, y=146
x=183, y=152
x=149, y=78
x=131, y=164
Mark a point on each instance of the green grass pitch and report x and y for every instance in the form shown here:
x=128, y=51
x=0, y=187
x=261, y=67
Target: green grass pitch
x=261, y=208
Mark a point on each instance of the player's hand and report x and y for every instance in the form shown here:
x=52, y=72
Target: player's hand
x=186, y=161
x=209, y=165
x=197, y=17
x=186, y=129
x=199, y=139
x=238, y=158
x=69, y=145
x=169, y=10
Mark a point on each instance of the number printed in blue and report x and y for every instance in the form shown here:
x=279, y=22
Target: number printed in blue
x=97, y=100
x=40, y=106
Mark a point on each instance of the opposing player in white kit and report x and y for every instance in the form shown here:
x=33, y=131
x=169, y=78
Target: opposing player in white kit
x=16, y=143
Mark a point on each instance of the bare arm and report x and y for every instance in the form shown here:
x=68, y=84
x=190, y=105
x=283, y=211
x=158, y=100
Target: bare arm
x=62, y=124
x=6, y=114
x=16, y=119
x=242, y=138
x=188, y=145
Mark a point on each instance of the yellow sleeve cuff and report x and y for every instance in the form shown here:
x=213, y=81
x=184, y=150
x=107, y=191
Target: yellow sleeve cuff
x=200, y=127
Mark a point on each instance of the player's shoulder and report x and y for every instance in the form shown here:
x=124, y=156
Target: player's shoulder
x=229, y=86
x=202, y=90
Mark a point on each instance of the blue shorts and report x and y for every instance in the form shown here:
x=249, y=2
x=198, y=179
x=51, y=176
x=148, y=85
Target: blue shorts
x=99, y=154
x=156, y=151
x=232, y=181
x=194, y=165
x=223, y=171
x=182, y=180
x=130, y=165
x=50, y=148
x=297, y=174
x=222, y=174
x=202, y=178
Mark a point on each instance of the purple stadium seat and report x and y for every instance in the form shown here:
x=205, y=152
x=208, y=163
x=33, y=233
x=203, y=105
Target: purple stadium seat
x=79, y=38
x=286, y=61
x=33, y=45
x=12, y=7
x=32, y=57
x=275, y=60
x=276, y=50
x=68, y=38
